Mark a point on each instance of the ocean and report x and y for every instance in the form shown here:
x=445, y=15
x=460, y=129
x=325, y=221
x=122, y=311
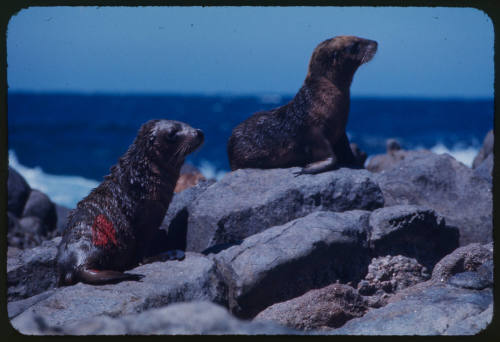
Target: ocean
x=63, y=144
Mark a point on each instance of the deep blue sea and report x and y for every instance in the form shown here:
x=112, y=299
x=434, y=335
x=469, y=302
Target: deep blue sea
x=65, y=143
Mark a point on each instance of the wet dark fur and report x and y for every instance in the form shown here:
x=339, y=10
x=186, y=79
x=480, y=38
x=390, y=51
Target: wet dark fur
x=311, y=127
x=134, y=198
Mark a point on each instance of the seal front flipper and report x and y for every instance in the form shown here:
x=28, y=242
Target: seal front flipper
x=318, y=167
x=99, y=277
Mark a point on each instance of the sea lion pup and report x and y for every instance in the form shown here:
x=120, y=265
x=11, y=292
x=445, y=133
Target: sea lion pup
x=309, y=130
x=110, y=229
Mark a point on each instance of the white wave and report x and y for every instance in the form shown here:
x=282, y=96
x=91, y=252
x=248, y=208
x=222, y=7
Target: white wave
x=464, y=155
x=61, y=189
x=208, y=170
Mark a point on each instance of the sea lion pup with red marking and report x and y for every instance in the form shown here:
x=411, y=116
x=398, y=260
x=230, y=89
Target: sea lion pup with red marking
x=110, y=229
x=309, y=131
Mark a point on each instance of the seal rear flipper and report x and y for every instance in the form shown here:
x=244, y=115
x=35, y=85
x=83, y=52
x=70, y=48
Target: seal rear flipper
x=98, y=277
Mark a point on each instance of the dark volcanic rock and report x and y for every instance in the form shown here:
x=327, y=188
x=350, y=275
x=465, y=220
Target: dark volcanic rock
x=62, y=217
x=194, y=278
x=286, y=261
x=39, y=205
x=198, y=318
x=464, y=259
x=441, y=183
x=18, y=191
x=31, y=271
x=457, y=299
x=248, y=201
x=485, y=151
x=411, y=231
x=328, y=307
x=391, y=274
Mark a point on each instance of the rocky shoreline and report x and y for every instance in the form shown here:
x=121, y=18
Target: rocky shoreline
x=401, y=247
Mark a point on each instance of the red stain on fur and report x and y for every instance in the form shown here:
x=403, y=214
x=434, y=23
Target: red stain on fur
x=103, y=231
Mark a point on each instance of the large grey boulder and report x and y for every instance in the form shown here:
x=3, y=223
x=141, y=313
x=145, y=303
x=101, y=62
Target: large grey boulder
x=286, y=261
x=434, y=310
x=173, y=230
x=31, y=271
x=485, y=151
x=441, y=183
x=485, y=169
x=398, y=229
x=194, y=278
x=62, y=217
x=318, y=309
x=18, y=191
x=39, y=205
x=247, y=201
x=188, y=318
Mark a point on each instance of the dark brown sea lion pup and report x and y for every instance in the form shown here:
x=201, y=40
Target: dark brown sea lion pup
x=308, y=131
x=110, y=229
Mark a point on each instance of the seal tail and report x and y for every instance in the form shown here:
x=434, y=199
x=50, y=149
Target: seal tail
x=98, y=277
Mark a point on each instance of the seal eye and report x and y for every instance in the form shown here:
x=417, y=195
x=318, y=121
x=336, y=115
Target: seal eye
x=172, y=135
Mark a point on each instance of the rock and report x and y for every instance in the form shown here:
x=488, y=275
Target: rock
x=173, y=230
x=286, y=261
x=248, y=201
x=391, y=274
x=441, y=183
x=432, y=310
x=31, y=271
x=464, y=259
x=18, y=191
x=485, y=151
x=16, y=307
x=39, y=205
x=485, y=169
x=194, y=278
x=411, y=231
x=189, y=177
x=381, y=162
x=62, y=217
x=456, y=300
x=193, y=318
x=359, y=155
x=328, y=307
x=472, y=324
x=34, y=226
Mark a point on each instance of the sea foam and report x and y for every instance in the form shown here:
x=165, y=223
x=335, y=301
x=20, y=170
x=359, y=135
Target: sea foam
x=64, y=190
x=68, y=190
x=464, y=155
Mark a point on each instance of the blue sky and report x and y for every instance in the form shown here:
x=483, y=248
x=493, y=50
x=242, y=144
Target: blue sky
x=428, y=52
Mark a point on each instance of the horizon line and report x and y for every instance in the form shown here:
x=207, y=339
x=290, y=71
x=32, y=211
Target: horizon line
x=236, y=94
